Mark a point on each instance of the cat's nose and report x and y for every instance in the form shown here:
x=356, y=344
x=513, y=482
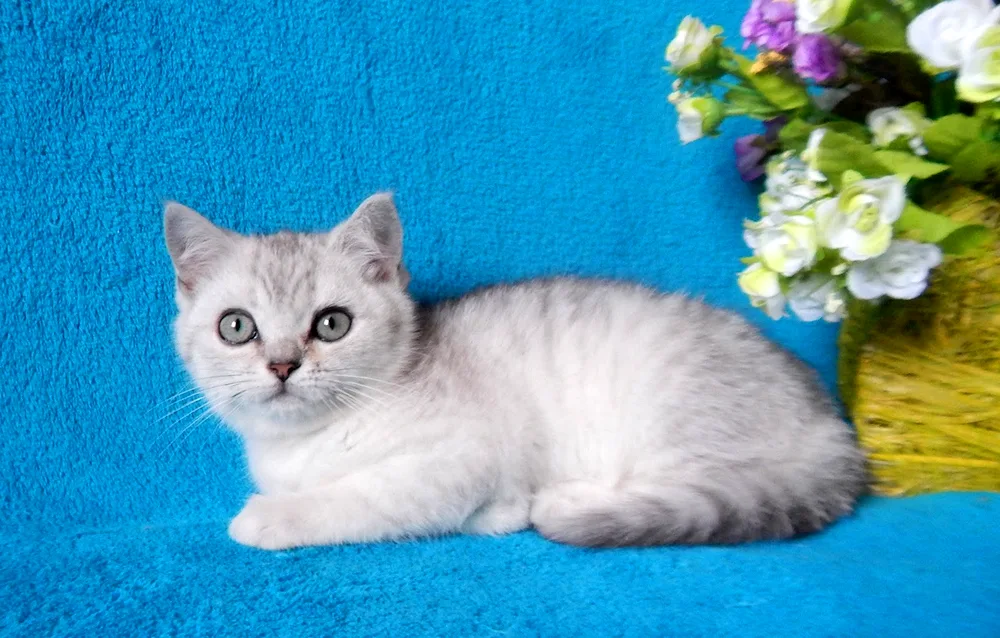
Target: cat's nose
x=283, y=369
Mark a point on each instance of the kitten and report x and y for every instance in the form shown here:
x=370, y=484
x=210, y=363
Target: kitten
x=599, y=413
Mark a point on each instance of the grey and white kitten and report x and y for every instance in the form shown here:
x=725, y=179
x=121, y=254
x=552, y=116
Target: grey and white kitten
x=599, y=413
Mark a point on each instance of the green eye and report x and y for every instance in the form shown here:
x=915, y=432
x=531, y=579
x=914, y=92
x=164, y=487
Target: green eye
x=331, y=324
x=236, y=327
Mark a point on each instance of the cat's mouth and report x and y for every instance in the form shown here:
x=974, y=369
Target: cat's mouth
x=283, y=394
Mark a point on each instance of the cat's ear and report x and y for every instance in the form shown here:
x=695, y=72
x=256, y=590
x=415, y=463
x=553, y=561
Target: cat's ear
x=195, y=244
x=374, y=235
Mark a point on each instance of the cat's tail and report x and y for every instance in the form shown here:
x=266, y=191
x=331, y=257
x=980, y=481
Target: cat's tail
x=643, y=512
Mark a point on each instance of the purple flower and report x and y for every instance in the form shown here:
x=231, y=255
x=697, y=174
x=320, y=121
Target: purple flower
x=770, y=24
x=816, y=58
x=752, y=150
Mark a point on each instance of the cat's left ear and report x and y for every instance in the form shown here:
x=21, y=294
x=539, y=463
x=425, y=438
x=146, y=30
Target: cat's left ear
x=195, y=244
x=374, y=235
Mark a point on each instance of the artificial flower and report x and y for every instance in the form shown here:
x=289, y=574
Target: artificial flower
x=891, y=123
x=752, y=150
x=763, y=286
x=786, y=246
x=769, y=24
x=822, y=16
x=697, y=117
x=791, y=186
x=979, y=75
x=901, y=272
x=817, y=58
x=693, y=47
x=817, y=297
x=858, y=221
x=940, y=33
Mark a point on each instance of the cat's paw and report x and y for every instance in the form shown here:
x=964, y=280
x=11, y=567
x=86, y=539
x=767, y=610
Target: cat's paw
x=500, y=518
x=267, y=523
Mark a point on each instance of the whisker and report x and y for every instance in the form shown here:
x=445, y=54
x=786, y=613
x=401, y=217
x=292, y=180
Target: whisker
x=228, y=407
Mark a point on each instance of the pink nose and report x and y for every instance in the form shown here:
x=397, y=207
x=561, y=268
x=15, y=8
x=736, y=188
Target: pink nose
x=283, y=369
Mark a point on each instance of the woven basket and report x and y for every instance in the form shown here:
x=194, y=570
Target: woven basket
x=921, y=378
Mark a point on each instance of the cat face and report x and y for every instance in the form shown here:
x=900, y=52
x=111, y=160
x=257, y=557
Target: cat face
x=281, y=332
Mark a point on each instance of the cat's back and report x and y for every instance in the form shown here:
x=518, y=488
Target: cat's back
x=570, y=326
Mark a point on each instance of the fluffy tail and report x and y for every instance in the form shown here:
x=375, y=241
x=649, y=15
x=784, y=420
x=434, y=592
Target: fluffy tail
x=669, y=512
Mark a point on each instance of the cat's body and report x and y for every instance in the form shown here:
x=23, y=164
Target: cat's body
x=600, y=413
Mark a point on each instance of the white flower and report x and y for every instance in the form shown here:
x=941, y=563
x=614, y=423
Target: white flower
x=764, y=289
x=858, y=221
x=791, y=186
x=817, y=297
x=785, y=247
x=891, y=123
x=688, y=48
x=940, y=33
x=697, y=116
x=900, y=273
x=809, y=155
x=689, y=121
x=817, y=16
x=979, y=76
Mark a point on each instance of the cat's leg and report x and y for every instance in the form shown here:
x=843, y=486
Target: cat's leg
x=502, y=516
x=406, y=496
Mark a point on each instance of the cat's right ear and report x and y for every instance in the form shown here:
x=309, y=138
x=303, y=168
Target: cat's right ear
x=195, y=245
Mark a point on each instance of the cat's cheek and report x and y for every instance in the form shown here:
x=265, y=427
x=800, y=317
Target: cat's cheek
x=268, y=523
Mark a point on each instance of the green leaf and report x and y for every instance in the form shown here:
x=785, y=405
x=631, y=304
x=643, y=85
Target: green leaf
x=783, y=92
x=946, y=137
x=850, y=177
x=838, y=153
x=964, y=239
x=943, y=98
x=952, y=236
x=978, y=161
x=795, y=134
x=878, y=33
x=854, y=129
x=907, y=165
x=750, y=103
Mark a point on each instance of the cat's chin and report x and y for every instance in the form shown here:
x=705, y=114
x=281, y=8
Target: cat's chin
x=280, y=415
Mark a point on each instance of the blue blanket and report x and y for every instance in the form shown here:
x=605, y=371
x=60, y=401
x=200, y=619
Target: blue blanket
x=522, y=138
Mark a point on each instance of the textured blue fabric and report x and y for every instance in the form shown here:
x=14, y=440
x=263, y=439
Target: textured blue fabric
x=522, y=138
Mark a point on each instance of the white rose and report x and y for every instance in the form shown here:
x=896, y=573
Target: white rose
x=818, y=16
x=790, y=186
x=764, y=289
x=697, y=116
x=785, y=247
x=817, y=297
x=858, y=221
x=900, y=273
x=692, y=41
x=940, y=33
x=891, y=123
x=979, y=76
x=689, y=120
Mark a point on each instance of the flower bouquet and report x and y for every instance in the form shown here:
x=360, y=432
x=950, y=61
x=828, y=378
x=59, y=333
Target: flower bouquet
x=880, y=164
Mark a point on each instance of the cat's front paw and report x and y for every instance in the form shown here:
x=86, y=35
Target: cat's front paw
x=267, y=523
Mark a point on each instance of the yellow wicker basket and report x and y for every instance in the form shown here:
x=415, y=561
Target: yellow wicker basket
x=921, y=378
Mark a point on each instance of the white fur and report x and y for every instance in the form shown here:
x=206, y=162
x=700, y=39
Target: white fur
x=600, y=413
